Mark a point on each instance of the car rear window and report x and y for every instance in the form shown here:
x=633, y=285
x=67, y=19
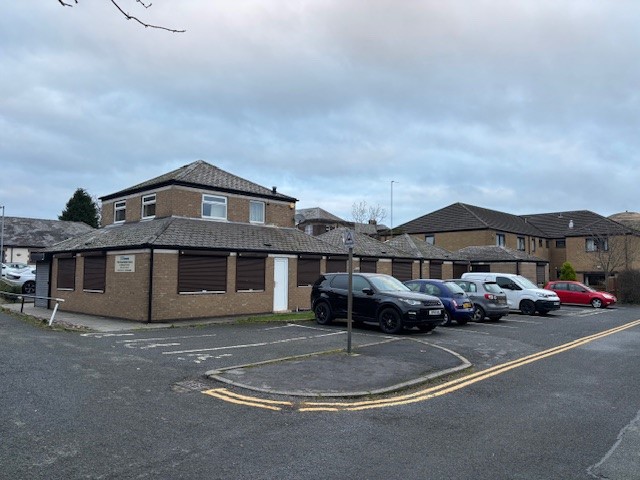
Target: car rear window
x=454, y=287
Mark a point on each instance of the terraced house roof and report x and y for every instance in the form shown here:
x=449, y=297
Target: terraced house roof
x=497, y=254
x=577, y=223
x=461, y=217
x=200, y=174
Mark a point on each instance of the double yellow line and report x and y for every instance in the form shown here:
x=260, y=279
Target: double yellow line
x=419, y=396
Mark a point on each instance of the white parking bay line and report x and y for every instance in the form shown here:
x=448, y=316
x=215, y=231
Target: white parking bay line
x=497, y=325
x=158, y=339
x=466, y=330
x=521, y=321
x=251, y=345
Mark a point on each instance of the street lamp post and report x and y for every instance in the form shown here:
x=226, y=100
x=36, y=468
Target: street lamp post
x=2, y=237
x=391, y=220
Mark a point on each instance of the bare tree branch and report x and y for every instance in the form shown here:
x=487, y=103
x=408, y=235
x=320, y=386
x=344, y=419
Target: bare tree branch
x=128, y=16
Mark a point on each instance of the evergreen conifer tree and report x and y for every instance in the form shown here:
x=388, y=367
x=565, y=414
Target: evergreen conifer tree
x=81, y=208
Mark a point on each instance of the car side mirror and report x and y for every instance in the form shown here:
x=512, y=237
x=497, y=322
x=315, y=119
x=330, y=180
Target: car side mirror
x=367, y=291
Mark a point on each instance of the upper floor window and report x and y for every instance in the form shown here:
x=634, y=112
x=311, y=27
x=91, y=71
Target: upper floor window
x=521, y=243
x=256, y=212
x=561, y=243
x=308, y=229
x=500, y=240
x=430, y=239
x=596, y=244
x=214, y=207
x=119, y=211
x=149, y=206
x=533, y=244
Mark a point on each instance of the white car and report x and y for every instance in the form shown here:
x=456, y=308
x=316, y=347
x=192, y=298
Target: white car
x=26, y=279
x=7, y=267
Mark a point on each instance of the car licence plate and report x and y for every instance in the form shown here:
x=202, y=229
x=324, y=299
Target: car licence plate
x=467, y=305
x=435, y=312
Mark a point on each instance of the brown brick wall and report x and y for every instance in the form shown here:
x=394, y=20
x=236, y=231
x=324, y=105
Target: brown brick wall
x=188, y=203
x=125, y=294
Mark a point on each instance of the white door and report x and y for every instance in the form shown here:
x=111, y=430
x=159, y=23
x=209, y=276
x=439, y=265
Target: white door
x=281, y=284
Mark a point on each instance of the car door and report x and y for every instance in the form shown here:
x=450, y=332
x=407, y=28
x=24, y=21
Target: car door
x=338, y=295
x=364, y=304
x=511, y=291
x=578, y=294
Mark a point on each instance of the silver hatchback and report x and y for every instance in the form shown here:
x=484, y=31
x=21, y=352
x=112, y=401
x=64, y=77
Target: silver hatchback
x=488, y=299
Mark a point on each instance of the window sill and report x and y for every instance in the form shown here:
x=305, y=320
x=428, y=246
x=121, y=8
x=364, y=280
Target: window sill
x=66, y=289
x=249, y=291
x=204, y=292
x=93, y=291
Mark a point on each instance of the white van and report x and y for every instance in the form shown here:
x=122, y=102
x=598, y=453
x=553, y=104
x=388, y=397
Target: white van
x=522, y=294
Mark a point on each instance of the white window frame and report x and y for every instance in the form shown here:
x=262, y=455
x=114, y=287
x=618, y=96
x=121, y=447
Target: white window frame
x=430, y=239
x=214, y=200
x=521, y=244
x=253, y=203
x=120, y=206
x=501, y=239
x=147, y=201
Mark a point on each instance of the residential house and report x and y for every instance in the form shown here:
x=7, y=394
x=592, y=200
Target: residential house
x=550, y=239
x=195, y=242
x=316, y=221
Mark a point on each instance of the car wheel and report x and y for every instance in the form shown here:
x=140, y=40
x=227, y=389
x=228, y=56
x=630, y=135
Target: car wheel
x=426, y=328
x=446, y=321
x=478, y=314
x=390, y=321
x=527, y=307
x=323, y=313
x=596, y=303
x=29, y=288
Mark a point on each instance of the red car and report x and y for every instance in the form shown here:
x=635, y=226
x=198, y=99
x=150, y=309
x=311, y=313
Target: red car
x=579, y=294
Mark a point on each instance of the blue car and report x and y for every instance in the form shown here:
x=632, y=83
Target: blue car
x=458, y=306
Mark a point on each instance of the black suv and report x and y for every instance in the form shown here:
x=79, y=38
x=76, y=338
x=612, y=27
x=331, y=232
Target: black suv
x=376, y=298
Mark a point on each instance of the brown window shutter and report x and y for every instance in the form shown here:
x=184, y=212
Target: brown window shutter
x=95, y=269
x=308, y=270
x=66, y=273
x=368, y=265
x=435, y=270
x=202, y=273
x=402, y=270
x=250, y=272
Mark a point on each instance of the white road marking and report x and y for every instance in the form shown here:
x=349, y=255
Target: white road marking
x=157, y=339
x=103, y=335
x=251, y=345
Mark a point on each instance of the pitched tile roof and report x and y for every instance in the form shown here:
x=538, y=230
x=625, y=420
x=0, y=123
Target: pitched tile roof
x=493, y=253
x=421, y=249
x=364, y=245
x=316, y=214
x=177, y=232
x=38, y=233
x=577, y=223
x=461, y=217
x=200, y=174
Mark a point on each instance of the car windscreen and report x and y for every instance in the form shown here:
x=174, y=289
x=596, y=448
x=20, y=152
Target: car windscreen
x=388, y=284
x=492, y=287
x=524, y=282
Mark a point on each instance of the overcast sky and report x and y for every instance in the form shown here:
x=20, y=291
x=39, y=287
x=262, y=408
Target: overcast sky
x=519, y=106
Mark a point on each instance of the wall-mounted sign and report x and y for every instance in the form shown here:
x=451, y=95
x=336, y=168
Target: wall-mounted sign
x=125, y=263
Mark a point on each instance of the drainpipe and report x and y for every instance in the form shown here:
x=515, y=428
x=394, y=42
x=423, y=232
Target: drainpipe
x=150, y=300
